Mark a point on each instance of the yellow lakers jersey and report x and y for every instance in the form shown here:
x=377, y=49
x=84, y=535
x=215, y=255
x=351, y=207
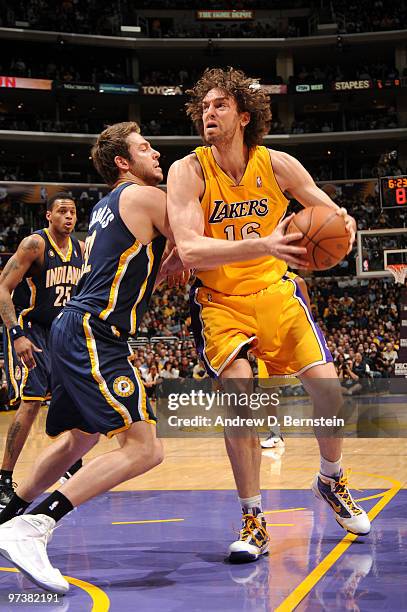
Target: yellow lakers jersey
x=251, y=209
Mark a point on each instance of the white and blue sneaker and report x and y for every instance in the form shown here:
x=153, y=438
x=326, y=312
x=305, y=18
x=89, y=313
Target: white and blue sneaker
x=335, y=492
x=253, y=540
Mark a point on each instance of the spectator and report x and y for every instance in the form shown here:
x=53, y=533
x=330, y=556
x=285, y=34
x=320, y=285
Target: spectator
x=349, y=379
x=199, y=371
x=389, y=357
x=169, y=372
x=185, y=370
x=151, y=379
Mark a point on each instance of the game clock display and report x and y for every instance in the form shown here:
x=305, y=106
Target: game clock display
x=393, y=191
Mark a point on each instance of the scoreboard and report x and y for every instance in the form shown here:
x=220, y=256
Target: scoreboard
x=393, y=191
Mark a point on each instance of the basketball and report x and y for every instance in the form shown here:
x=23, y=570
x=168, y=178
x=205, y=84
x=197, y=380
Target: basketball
x=324, y=236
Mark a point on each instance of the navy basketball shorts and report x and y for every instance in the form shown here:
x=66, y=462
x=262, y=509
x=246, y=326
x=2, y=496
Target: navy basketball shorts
x=25, y=384
x=95, y=387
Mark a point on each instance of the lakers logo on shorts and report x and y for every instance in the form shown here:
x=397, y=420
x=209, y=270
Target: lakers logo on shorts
x=17, y=373
x=123, y=386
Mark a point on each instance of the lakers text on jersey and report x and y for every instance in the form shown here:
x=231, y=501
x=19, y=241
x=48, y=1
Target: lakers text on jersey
x=251, y=209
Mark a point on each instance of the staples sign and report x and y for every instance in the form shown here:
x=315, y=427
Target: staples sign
x=351, y=85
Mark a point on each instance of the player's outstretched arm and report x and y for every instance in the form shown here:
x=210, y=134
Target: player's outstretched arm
x=293, y=177
x=185, y=186
x=29, y=252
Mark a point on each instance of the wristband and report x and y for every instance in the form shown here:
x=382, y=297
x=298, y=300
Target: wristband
x=16, y=332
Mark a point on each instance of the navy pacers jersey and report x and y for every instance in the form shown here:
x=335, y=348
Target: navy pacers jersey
x=118, y=271
x=40, y=298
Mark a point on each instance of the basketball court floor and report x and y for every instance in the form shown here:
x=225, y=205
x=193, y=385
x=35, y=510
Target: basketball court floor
x=159, y=542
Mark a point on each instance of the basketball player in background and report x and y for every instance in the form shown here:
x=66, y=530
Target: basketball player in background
x=35, y=284
x=225, y=205
x=95, y=387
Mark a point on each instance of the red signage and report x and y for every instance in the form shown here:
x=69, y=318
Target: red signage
x=11, y=82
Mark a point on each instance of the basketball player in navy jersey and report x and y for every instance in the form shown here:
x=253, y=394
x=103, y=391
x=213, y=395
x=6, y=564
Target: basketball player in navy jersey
x=95, y=387
x=34, y=286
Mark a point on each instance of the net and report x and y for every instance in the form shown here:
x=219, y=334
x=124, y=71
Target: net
x=399, y=272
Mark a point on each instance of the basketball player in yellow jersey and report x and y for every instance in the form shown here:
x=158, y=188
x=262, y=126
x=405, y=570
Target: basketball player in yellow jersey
x=225, y=205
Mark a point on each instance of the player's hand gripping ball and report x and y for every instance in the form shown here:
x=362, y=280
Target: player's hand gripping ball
x=325, y=236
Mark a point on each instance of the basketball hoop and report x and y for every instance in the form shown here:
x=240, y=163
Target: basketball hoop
x=399, y=272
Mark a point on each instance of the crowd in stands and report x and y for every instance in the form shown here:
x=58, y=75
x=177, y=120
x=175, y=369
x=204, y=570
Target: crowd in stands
x=13, y=229
x=89, y=70
x=369, y=15
x=81, y=16
x=220, y=4
x=102, y=17
x=271, y=28
x=166, y=127
x=42, y=123
x=106, y=17
x=95, y=68
x=388, y=165
x=377, y=120
x=360, y=323
x=328, y=73
x=382, y=119
x=183, y=76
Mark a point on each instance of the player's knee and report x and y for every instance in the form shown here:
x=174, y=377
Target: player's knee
x=331, y=398
x=153, y=454
x=148, y=455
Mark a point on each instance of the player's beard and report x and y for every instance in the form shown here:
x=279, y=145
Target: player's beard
x=222, y=139
x=145, y=174
x=153, y=178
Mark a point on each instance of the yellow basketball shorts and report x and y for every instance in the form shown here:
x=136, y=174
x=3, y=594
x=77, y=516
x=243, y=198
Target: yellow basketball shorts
x=274, y=323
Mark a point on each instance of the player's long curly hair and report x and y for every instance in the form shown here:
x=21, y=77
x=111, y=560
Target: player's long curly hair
x=248, y=95
x=111, y=142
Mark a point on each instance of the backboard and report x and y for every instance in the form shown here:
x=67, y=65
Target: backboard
x=378, y=248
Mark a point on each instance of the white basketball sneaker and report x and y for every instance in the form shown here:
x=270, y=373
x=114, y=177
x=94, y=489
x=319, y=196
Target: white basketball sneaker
x=253, y=540
x=273, y=441
x=335, y=492
x=23, y=541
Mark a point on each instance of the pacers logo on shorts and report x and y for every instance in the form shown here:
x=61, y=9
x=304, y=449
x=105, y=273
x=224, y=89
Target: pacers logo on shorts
x=123, y=386
x=17, y=373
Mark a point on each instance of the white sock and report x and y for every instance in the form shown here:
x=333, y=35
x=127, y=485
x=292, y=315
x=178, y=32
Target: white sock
x=249, y=504
x=331, y=468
